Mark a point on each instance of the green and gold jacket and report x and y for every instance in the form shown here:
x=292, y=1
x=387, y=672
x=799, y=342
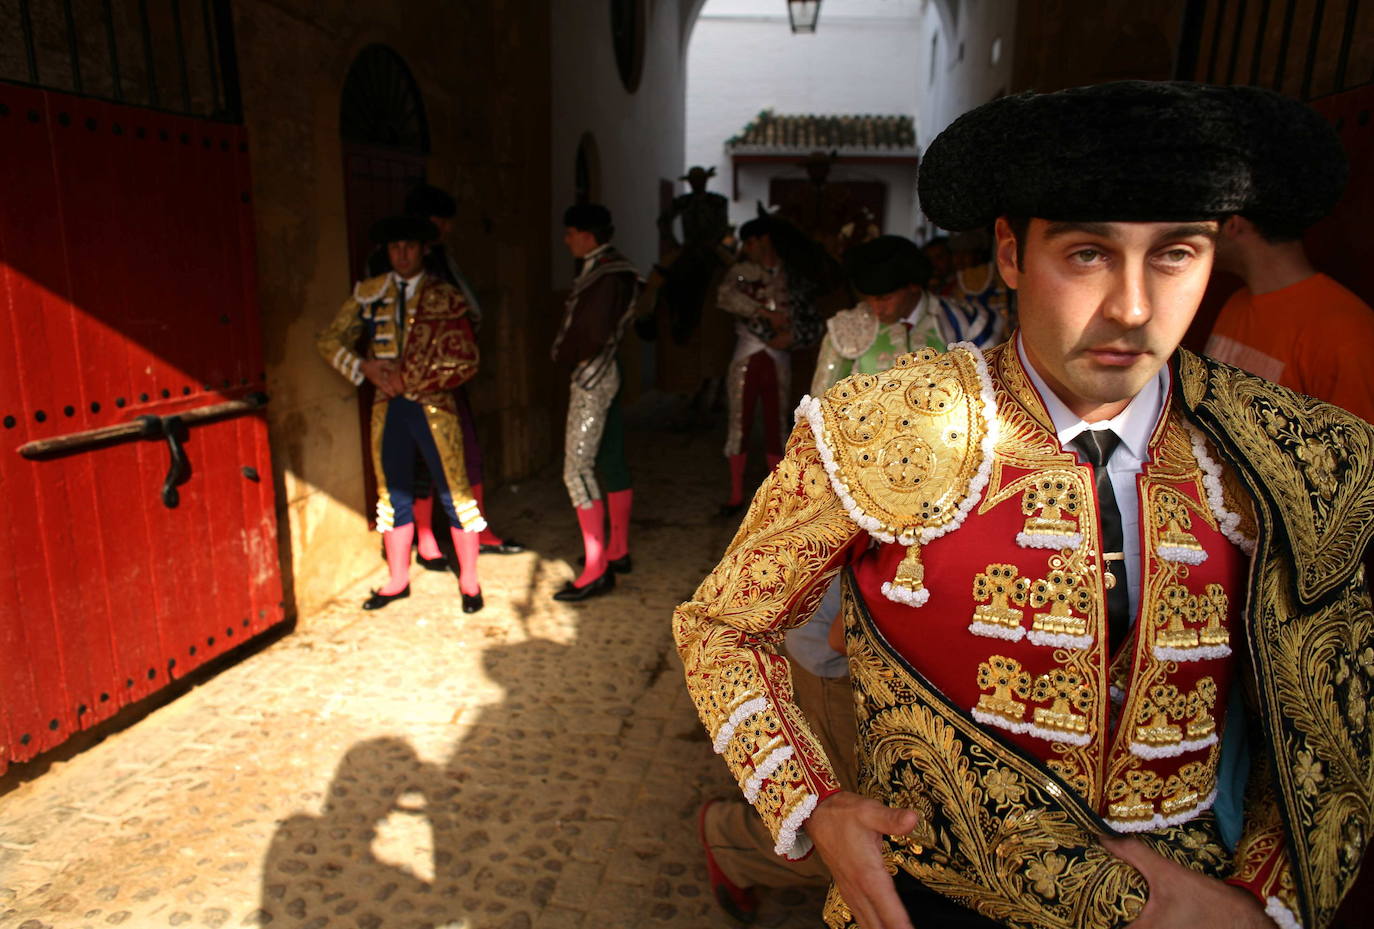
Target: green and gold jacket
x=879, y=475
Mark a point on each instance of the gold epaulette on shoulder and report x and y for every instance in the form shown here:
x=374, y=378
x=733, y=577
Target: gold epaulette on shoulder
x=909, y=450
x=372, y=289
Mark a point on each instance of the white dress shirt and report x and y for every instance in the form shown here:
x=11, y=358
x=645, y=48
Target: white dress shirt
x=1134, y=426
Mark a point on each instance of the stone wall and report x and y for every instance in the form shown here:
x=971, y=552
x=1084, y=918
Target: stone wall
x=482, y=70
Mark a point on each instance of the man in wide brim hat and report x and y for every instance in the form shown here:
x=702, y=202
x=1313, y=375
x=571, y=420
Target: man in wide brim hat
x=1080, y=568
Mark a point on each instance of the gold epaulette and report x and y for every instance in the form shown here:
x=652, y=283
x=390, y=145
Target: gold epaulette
x=372, y=289
x=909, y=450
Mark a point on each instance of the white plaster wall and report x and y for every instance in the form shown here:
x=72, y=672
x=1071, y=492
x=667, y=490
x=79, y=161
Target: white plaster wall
x=743, y=58
x=639, y=135
x=962, y=80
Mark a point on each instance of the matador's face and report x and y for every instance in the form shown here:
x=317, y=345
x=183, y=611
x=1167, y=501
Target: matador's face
x=1104, y=305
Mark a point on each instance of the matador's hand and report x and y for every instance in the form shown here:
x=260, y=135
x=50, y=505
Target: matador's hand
x=848, y=832
x=383, y=375
x=1180, y=896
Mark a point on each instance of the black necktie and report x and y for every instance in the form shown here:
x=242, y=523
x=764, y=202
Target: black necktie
x=1096, y=448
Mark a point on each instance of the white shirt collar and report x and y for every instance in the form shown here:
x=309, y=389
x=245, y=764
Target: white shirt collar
x=590, y=256
x=924, y=307
x=1133, y=425
x=410, y=282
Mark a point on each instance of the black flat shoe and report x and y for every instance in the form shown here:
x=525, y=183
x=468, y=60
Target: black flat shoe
x=508, y=547
x=379, y=599
x=571, y=593
x=621, y=565
x=471, y=604
x=432, y=564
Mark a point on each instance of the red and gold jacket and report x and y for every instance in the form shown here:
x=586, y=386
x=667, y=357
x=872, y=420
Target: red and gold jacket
x=986, y=698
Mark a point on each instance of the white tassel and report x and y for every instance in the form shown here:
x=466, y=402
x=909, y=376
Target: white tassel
x=1274, y=908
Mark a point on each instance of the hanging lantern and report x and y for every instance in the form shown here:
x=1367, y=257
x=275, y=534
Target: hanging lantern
x=803, y=14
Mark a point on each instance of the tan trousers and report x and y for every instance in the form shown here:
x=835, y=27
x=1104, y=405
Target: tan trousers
x=734, y=832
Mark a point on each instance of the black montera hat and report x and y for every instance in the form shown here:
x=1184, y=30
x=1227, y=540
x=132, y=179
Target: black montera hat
x=587, y=217
x=1130, y=151
x=403, y=228
x=1299, y=168
x=427, y=200
x=887, y=263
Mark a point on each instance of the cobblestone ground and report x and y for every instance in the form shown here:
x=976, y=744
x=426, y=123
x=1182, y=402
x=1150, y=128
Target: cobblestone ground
x=533, y=766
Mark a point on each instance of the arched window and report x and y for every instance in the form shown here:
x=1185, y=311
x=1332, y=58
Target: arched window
x=381, y=103
x=385, y=146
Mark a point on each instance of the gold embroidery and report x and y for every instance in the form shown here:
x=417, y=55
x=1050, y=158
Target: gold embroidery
x=1172, y=611
x=1065, y=625
x=1172, y=522
x=907, y=444
x=998, y=834
x=1169, y=722
x=771, y=578
x=1179, y=613
x=1000, y=594
x=1004, y=677
x=1132, y=797
x=1201, y=727
x=1211, y=609
x=1155, y=732
x=1069, y=691
x=1187, y=789
x=1052, y=503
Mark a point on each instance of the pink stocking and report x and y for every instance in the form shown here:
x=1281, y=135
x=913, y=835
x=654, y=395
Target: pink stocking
x=424, y=528
x=592, y=520
x=619, y=503
x=397, y=543
x=737, y=479
x=465, y=545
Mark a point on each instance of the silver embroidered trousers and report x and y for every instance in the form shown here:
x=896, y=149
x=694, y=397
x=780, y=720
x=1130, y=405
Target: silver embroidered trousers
x=587, y=408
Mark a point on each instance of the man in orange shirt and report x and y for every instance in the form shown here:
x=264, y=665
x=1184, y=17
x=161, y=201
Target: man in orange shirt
x=1290, y=323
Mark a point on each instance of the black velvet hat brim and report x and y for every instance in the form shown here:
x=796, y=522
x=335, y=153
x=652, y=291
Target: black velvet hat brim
x=1132, y=151
x=403, y=228
x=886, y=264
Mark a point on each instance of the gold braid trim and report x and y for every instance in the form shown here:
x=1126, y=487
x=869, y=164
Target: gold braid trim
x=998, y=833
x=771, y=579
x=1309, y=467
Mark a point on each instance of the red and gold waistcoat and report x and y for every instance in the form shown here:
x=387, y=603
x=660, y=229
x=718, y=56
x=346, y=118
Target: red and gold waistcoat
x=1011, y=622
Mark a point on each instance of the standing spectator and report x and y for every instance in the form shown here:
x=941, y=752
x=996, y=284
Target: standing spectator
x=772, y=303
x=1290, y=323
x=594, y=318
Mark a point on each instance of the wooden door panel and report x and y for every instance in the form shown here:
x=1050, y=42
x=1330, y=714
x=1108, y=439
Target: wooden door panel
x=127, y=288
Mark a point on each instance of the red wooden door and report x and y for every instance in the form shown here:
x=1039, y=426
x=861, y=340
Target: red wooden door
x=127, y=289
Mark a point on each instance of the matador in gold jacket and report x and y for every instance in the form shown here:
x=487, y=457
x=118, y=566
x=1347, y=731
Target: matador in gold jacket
x=1108, y=625
x=408, y=332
